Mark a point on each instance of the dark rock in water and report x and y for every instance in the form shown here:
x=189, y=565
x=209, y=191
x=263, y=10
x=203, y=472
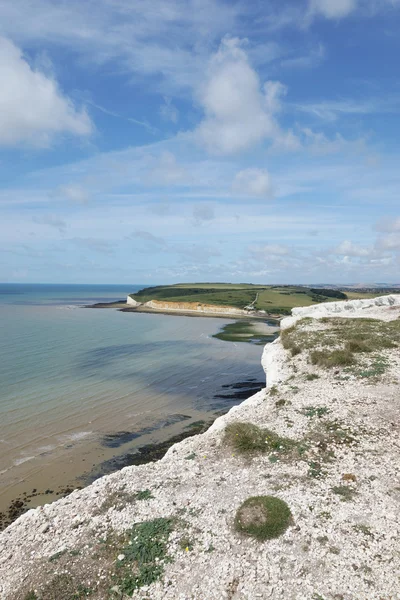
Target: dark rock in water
x=245, y=385
x=144, y=454
x=115, y=440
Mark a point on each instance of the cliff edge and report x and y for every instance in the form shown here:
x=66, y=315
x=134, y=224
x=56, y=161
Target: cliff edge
x=323, y=437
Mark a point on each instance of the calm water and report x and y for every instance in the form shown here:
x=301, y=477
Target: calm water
x=70, y=375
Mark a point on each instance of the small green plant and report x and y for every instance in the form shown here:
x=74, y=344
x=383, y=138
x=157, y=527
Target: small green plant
x=295, y=350
x=364, y=529
x=273, y=391
x=146, y=551
x=144, y=495
x=263, y=517
x=31, y=596
x=314, y=411
x=335, y=358
x=311, y=376
x=57, y=555
x=191, y=456
x=315, y=470
x=280, y=403
x=345, y=492
x=186, y=544
x=249, y=438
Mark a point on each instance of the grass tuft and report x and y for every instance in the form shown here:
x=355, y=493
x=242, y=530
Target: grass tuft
x=345, y=492
x=248, y=438
x=144, y=555
x=263, y=517
x=335, y=358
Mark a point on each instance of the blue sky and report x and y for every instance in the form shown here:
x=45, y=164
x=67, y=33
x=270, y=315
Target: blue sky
x=199, y=140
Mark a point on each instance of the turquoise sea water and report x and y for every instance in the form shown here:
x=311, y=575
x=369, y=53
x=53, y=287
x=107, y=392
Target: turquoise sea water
x=71, y=375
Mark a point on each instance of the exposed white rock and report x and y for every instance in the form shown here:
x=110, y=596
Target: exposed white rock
x=132, y=302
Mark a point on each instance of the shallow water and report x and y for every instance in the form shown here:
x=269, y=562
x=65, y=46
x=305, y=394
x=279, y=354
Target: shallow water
x=70, y=376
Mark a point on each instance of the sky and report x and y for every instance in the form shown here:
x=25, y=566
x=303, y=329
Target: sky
x=171, y=141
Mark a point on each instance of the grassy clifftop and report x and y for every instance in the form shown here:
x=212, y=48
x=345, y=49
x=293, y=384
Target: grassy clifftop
x=272, y=299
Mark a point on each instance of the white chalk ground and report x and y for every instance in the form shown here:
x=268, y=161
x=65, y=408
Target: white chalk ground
x=334, y=550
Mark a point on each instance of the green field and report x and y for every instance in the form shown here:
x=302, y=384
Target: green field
x=273, y=299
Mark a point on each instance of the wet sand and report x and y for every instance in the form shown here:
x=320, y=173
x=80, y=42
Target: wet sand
x=79, y=463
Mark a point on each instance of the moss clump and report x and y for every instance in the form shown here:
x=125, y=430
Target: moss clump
x=249, y=438
x=263, y=517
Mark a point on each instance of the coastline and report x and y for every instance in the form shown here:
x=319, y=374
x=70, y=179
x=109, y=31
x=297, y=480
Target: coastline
x=341, y=490
x=122, y=306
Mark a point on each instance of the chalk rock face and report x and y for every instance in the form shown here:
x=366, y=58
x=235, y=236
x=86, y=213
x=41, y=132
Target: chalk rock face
x=367, y=307
x=193, y=307
x=132, y=302
x=332, y=308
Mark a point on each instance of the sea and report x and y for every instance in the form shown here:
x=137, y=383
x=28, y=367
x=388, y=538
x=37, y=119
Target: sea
x=82, y=386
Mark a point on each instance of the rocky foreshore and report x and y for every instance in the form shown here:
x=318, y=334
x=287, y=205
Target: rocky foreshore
x=166, y=530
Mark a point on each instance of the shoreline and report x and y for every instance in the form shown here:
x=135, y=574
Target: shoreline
x=122, y=306
x=35, y=496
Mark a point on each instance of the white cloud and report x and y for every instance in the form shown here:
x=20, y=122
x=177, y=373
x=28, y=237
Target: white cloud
x=239, y=112
x=332, y=9
x=391, y=241
x=33, y=110
x=347, y=248
x=203, y=213
x=253, y=182
x=75, y=193
x=388, y=225
x=264, y=252
x=167, y=170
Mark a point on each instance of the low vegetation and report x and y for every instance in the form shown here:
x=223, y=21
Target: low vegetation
x=272, y=299
x=263, y=517
x=247, y=438
x=141, y=561
x=352, y=344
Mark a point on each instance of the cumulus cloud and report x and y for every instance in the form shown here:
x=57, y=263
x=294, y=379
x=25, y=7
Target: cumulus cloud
x=391, y=241
x=239, y=111
x=253, y=182
x=33, y=109
x=347, y=248
x=332, y=9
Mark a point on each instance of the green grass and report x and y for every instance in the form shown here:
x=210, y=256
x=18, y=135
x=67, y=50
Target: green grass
x=145, y=555
x=314, y=411
x=346, y=493
x=311, y=376
x=273, y=299
x=144, y=495
x=353, y=344
x=247, y=438
x=335, y=358
x=263, y=517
